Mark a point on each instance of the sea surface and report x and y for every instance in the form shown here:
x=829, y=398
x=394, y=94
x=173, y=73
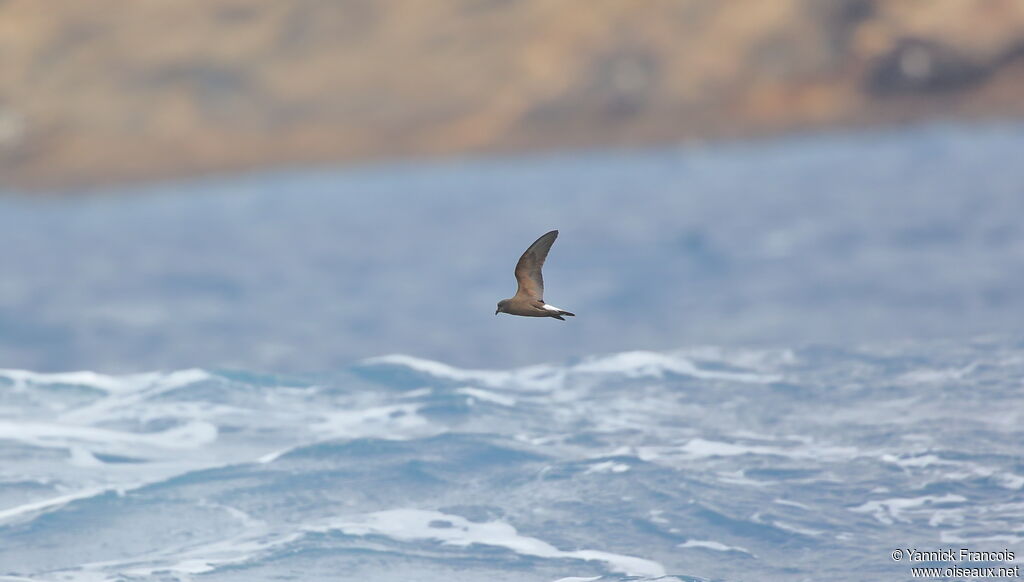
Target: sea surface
x=793, y=360
x=834, y=239
x=695, y=464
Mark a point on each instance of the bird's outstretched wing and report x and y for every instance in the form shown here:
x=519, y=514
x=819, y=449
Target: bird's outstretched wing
x=531, y=282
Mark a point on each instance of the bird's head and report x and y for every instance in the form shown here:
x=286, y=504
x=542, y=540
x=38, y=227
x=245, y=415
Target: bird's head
x=501, y=307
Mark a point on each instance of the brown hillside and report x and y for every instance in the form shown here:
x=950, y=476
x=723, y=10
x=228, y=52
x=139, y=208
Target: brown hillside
x=106, y=90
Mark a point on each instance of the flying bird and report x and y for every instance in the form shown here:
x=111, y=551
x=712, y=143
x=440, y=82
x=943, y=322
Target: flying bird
x=529, y=298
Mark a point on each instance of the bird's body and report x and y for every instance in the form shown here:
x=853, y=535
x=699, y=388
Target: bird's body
x=529, y=298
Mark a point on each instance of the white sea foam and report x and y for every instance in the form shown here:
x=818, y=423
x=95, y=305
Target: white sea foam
x=637, y=364
x=440, y=370
x=396, y=422
x=607, y=467
x=916, y=460
x=804, y=531
x=792, y=504
x=127, y=392
x=454, y=530
x=712, y=545
x=933, y=376
x=104, y=382
x=656, y=365
x=890, y=511
x=624, y=452
x=487, y=396
x=11, y=513
x=1009, y=480
x=68, y=436
x=23, y=378
x=192, y=559
x=707, y=448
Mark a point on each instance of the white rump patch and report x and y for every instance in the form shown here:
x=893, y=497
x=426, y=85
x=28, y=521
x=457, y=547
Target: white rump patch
x=552, y=308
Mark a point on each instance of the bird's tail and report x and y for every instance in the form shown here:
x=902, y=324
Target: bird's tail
x=563, y=312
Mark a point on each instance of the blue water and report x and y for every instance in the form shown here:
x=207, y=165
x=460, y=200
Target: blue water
x=829, y=239
x=707, y=463
x=791, y=358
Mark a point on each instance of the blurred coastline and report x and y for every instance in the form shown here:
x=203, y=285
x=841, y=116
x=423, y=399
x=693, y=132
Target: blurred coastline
x=102, y=91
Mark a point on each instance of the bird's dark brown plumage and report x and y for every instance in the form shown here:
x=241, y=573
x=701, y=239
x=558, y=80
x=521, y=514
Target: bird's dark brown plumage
x=528, y=269
x=529, y=298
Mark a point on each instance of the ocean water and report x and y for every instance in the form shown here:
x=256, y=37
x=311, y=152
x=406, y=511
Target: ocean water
x=793, y=360
x=827, y=239
x=695, y=464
